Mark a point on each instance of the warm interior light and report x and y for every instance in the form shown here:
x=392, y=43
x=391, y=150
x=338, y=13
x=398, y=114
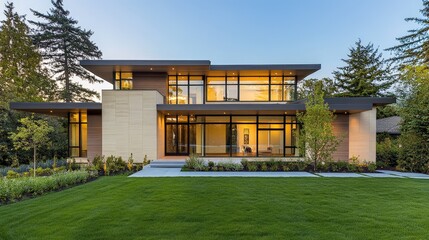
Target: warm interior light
x=285, y=112
x=151, y=69
x=224, y=112
x=50, y=111
x=172, y=68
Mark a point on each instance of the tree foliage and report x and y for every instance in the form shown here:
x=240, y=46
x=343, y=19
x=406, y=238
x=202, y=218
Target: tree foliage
x=414, y=155
x=62, y=45
x=32, y=134
x=308, y=86
x=413, y=48
x=21, y=75
x=317, y=134
x=366, y=73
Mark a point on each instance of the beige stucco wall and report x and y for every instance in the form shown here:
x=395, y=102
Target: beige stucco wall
x=130, y=123
x=362, y=135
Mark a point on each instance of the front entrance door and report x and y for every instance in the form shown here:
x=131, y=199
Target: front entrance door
x=177, y=139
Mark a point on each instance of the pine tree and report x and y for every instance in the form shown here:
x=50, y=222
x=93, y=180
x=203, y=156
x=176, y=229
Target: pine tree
x=413, y=48
x=366, y=73
x=21, y=75
x=307, y=87
x=63, y=44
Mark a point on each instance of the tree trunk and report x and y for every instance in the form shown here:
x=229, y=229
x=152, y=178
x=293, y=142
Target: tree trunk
x=34, y=162
x=66, y=72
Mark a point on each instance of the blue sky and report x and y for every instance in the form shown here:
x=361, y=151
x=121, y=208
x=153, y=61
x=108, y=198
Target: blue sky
x=238, y=31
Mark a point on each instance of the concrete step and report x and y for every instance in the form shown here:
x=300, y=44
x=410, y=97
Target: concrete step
x=167, y=164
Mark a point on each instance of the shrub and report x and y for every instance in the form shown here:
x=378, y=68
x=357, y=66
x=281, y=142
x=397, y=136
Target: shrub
x=264, y=167
x=244, y=163
x=12, y=174
x=372, y=167
x=130, y=163
x=211, y=164
x=14, y=189
x=194, y=163
x=285, y=168
x=252, y=166
x=72, y=165
x=230, y=166
x=387, y=153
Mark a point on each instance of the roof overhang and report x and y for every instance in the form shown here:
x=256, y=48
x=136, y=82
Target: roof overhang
x=105, y=68
x=56, y=108
x=338, y=105
x=252, y=109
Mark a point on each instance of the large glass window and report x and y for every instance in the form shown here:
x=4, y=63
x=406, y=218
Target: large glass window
x=185, y=89
x=251, y=89
x=228, y=136
x=78, y=134
x=123, y=80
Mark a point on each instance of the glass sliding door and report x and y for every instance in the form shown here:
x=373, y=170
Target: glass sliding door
x=217, y=139
x=270, y=142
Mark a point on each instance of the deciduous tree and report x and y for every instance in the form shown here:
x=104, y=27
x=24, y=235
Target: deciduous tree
x=317, y=137
x=32, y=134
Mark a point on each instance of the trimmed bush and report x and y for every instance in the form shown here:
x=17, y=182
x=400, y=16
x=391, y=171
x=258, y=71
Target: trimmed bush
x=12, y=190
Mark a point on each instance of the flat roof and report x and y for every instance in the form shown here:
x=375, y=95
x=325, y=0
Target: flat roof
x=56, y=108
x=339, y=105
x=105, y=68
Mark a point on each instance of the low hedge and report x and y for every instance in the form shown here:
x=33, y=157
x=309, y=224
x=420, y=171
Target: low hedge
x=12, y=190
x=196, y=164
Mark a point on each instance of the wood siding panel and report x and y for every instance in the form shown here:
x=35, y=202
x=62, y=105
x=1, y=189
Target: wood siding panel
x=143, y=81
x=94, y=136
x=341, y=130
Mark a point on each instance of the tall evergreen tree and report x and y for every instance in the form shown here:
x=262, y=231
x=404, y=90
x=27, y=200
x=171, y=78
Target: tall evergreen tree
x=307, y=87
x=413, y=48
x=366, y=73
x=21, y=75
x=63, y=44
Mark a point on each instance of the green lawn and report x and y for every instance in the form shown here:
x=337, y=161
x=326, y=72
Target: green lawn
x=225, y=208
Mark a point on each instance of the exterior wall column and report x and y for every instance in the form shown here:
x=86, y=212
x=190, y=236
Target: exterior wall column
x=130, y=123
x=362, y=135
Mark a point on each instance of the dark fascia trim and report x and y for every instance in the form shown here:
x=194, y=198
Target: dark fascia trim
x=232, y=67
x=54, y=106
x=256, y=107
x=144, y=62
x=376, y=101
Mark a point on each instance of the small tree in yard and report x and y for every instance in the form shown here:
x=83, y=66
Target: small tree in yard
x=32, y=134
x=317, y=137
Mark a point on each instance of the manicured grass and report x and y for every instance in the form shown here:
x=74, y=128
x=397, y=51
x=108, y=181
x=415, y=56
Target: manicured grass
x=225, y=208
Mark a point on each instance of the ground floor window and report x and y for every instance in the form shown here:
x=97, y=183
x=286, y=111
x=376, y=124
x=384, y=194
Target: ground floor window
x=231, y=136
x=78, y=134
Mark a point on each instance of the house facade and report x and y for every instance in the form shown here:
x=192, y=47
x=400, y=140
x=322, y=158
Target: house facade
x=166, y=109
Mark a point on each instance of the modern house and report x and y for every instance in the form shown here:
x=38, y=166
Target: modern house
x=169, y=109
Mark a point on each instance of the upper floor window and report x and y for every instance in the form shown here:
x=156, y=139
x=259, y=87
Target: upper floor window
x=123, y=80
x=251, y=89
x=185, y=89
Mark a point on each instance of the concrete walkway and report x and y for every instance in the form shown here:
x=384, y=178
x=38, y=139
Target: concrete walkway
x=176, y=172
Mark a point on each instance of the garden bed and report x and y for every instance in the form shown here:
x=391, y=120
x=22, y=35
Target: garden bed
x=196, y=164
